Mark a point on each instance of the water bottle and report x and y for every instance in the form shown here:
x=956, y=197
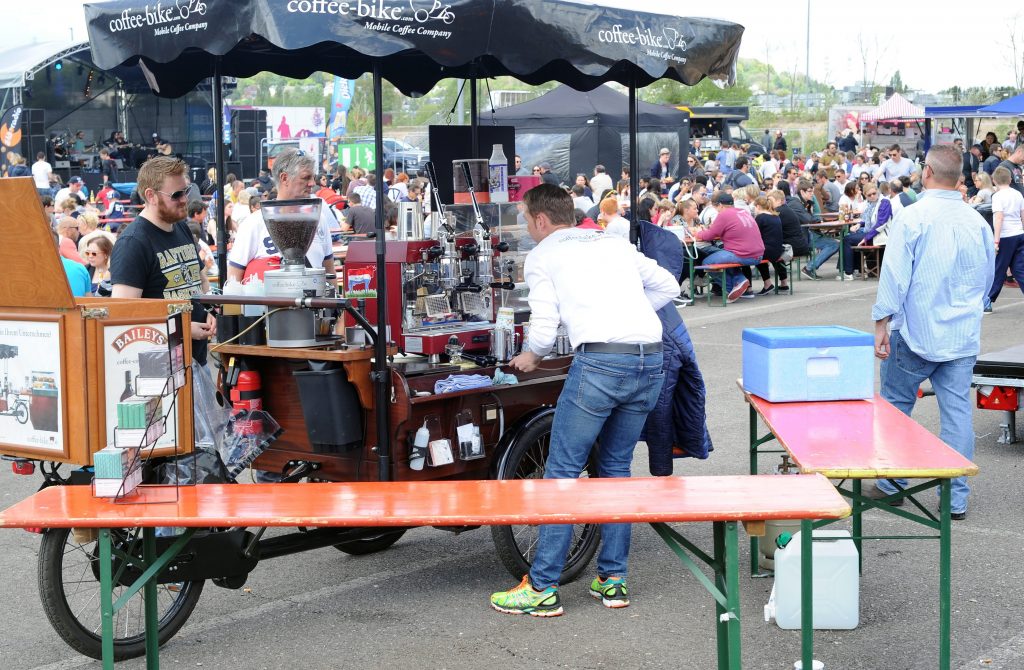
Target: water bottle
x=418, y=455
x=498, y=168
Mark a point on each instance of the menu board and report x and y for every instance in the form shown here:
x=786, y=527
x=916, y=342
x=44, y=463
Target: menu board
x=31, y=390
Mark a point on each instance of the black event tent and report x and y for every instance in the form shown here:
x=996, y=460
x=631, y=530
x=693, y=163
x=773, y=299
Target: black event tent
x=413, y=44
x=574, y=131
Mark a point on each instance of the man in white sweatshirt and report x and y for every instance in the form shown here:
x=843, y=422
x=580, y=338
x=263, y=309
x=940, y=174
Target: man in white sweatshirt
x=574, y=275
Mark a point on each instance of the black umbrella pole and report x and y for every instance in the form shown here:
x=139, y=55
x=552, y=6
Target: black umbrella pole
x=474, y=120
x=634, y=167
x=381, y=378
x=218, y=159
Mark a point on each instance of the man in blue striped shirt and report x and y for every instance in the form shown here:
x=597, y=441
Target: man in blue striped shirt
x=938, y=262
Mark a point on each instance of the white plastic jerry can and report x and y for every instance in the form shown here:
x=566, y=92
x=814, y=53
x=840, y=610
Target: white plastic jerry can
x=836, y=583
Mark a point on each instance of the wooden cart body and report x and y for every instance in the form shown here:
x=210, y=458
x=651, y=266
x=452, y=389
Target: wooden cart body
x=72, y=350
x=500, y=412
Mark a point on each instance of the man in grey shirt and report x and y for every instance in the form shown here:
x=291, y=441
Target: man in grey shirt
x=834, y=194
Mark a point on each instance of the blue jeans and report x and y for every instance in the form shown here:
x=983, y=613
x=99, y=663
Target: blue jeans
x=1010, y=255
x=902, y=374
x=849, y=244
x=724, y=256
x=606, y=397
x=825, y=245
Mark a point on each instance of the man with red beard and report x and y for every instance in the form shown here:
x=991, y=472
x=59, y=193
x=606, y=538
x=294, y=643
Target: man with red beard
x=156, y=255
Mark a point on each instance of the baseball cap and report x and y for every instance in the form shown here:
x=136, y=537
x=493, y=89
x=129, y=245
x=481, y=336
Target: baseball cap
x=75, y=180
x=545, y=165
x=722, y=198
x=664, y=150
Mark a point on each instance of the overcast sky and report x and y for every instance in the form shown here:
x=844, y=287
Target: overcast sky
x=928, y=42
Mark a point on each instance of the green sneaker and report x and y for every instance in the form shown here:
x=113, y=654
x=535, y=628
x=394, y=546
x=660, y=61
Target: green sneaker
x=523, y=599
x=612, y=591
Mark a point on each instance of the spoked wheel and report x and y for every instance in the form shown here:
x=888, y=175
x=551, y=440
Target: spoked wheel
x=21, y=412
x=516, y=545
x=70, y=591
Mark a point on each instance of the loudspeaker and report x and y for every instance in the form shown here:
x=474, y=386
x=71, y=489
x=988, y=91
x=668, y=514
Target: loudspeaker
x=233, y=167
x=33, y=121
x=248, y=127
x=32, y=144
x=246, y=144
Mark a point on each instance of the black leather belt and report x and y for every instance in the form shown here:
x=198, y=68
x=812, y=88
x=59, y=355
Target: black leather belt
x=619, y=348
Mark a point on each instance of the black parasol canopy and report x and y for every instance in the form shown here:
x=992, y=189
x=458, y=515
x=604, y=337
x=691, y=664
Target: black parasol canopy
x=415, y=43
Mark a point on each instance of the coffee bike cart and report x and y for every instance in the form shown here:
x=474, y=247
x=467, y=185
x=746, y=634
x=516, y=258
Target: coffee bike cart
x=386, y=402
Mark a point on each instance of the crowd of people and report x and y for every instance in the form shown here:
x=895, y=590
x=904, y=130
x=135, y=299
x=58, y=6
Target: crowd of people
x=770, y=200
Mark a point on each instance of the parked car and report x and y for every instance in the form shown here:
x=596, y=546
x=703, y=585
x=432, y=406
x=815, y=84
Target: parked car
x=398, y=155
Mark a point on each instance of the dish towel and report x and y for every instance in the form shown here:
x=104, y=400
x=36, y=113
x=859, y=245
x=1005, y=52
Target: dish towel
x=504, y=378
x=454, y=383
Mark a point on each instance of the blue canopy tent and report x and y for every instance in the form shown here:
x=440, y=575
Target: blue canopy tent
x=963, y=115
x=1010, y=107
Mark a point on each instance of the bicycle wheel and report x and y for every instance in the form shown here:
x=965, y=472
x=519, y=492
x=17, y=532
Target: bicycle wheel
x=69, y=589
x=516, y=545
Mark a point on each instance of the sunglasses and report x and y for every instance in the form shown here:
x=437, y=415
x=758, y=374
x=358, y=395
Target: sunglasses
x=177, y=195
x=92, y=253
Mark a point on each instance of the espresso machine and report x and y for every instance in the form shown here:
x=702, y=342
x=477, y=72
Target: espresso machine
x=292, y=225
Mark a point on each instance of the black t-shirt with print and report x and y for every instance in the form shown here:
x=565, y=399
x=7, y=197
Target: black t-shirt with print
x=163, y=264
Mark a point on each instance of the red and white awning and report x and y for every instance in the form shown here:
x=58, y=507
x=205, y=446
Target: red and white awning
x=896, y=108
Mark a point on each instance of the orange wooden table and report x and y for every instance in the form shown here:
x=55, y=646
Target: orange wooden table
x=867, y=439
x=723, y=501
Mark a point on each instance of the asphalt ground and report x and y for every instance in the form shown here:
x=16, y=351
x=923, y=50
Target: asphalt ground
x=423, y=603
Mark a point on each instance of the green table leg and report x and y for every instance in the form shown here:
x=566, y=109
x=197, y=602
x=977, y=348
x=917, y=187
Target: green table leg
x=149, y=597
x=842, y=268
x=106, y=600
x=945, y=547
x=857, y=523
x=755, y=543
x=721, y=581
x=806, y=595
x=732, y=578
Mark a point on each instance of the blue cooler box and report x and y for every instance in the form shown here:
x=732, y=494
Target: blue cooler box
x=808, y=363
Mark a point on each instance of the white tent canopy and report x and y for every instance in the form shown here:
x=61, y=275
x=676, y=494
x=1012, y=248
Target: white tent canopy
x=20, y=64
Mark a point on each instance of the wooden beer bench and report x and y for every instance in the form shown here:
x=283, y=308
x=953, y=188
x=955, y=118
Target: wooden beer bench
x=866, y=439
x=723, y=501
x=722, y=269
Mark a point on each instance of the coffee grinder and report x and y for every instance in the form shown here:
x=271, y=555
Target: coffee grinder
x=292, y=225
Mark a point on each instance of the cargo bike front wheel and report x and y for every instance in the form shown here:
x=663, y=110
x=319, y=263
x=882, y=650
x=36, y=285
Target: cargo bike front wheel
x=69, y=587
